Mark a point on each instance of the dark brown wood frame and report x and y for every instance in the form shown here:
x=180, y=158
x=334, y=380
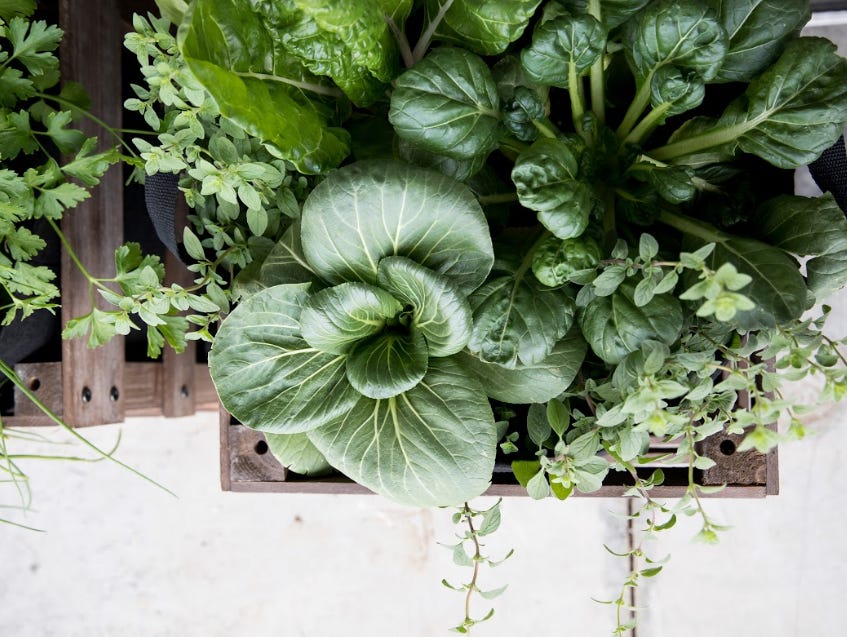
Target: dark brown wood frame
x=247, y=466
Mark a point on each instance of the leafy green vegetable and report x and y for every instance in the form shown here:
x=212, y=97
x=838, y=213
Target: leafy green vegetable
x=441, y=313
x=276, y=99
x=448, y=104
x=536, y=383
x=681, y=33
x=615, y=325
x=371, y=210
x=388, y=364
x=486, y=27
x=563, y=49
x=777, y=288
x=556, y=261
x=347, y=40
x=546, y=180
x=267, y=375
x=811, y=227
x=430, y=446
x=517, y=321
x=333, y=320
x=789, y=114
x=758, y=31
x=297, y=453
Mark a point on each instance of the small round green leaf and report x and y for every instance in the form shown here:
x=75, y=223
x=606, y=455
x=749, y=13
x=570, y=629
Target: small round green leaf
x=441, y=313
x=387, y=364
x=561, y=45
x=448, y=104
x=335, y=319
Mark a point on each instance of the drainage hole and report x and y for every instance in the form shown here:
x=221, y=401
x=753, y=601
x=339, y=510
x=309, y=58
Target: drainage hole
x=34, y=384
x=85, y=395
x=261, y=447
x=727, y=447
x=114, y=394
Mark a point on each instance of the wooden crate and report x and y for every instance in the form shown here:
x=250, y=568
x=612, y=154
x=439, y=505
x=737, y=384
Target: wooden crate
x=248, y=466
x=97, y=386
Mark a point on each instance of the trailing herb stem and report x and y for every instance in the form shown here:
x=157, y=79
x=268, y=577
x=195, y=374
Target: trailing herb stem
x=477, y=558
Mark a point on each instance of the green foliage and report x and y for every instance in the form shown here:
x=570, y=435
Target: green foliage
x=486, y=28
x=759, y=31
x=34, y=185
x=563, y=49
x=372, y=210
x=220, y=40
x=377, y=346
x=643, y=279
x=447, y=104
x=297, y=453
x=470, y=540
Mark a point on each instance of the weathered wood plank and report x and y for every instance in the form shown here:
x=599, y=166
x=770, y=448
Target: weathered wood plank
x=90, y=54
x=143, y=391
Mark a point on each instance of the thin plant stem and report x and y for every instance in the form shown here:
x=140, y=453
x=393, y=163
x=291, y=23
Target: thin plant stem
x=476, y=560
x=598, y=79
x=9, y=373
x=111, y=130
x=402, y=42
x=426, y=37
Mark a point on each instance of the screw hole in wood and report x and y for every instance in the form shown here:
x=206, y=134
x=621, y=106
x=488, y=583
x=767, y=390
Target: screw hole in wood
x=34, y=384
x=85, y=395
x=261, y=447
x=114, y=394
x=727, y=447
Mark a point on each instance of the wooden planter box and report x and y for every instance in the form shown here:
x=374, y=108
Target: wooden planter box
x=248, y=466
x=97, y=386
x=90, y=387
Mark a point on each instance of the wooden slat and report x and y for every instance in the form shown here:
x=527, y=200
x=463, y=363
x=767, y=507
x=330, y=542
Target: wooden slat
x=178, y=395
x=94, y=394
x=143, y=391
x=247, y=466
x=44, y=380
